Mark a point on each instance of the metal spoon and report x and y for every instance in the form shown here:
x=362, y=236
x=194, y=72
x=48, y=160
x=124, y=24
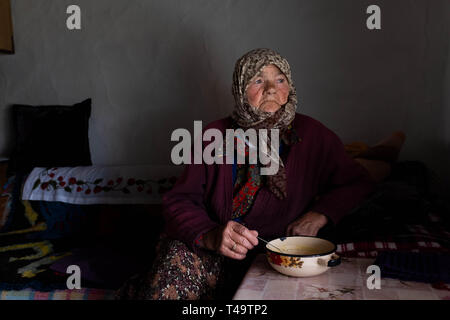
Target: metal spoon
x=281, y=251
x=242, y=223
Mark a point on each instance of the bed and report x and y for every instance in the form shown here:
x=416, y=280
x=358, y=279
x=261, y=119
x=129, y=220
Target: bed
x=106, y=219
x=110, y=233
x=57, y=210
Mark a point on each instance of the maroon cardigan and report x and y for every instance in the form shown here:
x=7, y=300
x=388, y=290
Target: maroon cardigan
x=316, y=166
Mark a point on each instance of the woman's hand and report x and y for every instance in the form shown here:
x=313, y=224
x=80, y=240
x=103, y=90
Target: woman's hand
x=307, y=225
x=232, y=240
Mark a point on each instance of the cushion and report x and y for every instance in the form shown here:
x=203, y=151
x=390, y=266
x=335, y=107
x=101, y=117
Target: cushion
x=54, y=135
x=401, y=215
x=121, y=235
x=414, y=266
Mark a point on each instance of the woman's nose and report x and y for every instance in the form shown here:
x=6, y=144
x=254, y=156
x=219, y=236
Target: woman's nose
x=270, y=87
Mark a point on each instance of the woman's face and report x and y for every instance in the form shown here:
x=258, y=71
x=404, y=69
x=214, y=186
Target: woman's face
x=268, y=90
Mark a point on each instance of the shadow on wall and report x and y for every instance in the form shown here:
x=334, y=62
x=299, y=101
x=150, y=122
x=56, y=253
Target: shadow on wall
x=187, y=74
x=438, y=151
x=201, y=88
x=446, y=101
x=183, y=84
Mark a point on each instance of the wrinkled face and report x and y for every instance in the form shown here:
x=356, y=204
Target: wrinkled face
x=268, y=90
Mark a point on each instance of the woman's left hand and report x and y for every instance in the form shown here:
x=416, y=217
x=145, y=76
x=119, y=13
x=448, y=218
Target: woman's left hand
x=307, y=225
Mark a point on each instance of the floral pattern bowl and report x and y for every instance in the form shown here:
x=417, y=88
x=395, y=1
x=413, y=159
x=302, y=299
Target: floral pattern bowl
x=302, y=256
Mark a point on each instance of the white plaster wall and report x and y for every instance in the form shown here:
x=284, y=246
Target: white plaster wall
x=153, y=66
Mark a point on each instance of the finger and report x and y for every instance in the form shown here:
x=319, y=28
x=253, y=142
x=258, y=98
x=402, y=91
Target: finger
x=255, y=233
x=296, y=229
x=312, y=229
x=305, y=230
x=250, y=239
x=236, y=231
x=289, y=230
x=241, y=241
x=231, y=254
x=240, y=249
x=300, y=230
x=233, y=237
x=236, y=247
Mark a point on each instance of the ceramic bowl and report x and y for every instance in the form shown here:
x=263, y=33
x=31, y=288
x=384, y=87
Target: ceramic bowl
x=302, y=256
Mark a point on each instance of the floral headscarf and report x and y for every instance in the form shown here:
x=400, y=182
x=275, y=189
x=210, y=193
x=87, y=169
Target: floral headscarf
x=246, y=116
x=246, y=68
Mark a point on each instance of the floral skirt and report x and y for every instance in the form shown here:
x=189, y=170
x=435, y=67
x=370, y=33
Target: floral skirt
x=180, y=274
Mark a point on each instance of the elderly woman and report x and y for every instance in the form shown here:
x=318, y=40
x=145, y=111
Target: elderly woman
x=215, y=213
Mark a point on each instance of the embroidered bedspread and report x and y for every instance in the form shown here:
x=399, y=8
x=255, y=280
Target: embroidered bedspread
x=96, y=185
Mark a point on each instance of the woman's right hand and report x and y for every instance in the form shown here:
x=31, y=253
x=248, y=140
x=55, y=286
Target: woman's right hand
x=232, y=240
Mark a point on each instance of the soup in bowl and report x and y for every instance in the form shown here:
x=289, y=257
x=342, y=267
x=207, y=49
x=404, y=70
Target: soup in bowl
x=302, y=256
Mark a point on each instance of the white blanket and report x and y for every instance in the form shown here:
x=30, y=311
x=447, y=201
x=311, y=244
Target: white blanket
x=96, y=185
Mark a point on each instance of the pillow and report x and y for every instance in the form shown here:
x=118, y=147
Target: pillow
x=50, y=136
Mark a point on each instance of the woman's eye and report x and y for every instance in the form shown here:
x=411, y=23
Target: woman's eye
x=258, y=81
x=280, y=80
